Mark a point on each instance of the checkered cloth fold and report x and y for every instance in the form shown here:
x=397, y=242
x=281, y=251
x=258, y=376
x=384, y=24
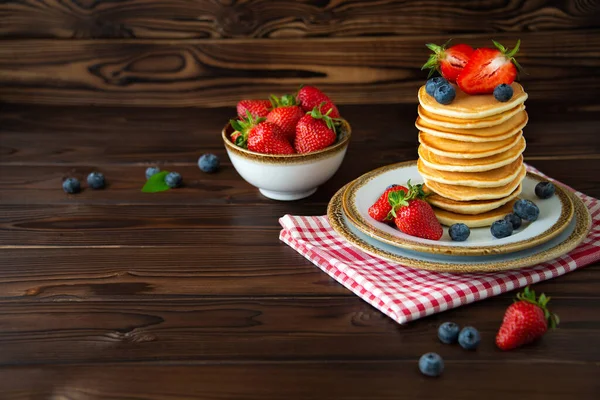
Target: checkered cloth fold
x=406, y=294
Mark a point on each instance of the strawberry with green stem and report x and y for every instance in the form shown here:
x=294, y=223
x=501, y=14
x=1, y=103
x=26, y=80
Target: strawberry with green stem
x=488, y=68
x=257, y=108
x=285, y=114
x=380, y=210
x=260, y=136
x=315, y=131
x=413, y=215
x=525, y=321
x=448, y=61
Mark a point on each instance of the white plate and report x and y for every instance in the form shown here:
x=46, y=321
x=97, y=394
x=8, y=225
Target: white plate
x=555, y=215
x=566, y=241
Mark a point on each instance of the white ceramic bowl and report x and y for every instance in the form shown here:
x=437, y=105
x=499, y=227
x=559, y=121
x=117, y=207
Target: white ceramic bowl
x=287, y=177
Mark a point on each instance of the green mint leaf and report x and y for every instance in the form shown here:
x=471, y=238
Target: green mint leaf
x=156, y=183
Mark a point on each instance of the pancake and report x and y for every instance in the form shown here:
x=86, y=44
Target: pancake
x=474, y=221
x=450, y=122
x=490, y=134
x=466, y=106
x=492, y=178
x=433, y=160
x=458, y=149
x=468, y=193
x=470, y=207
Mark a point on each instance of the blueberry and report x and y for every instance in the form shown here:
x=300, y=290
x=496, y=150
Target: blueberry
x=431, y=364
x=71, y=185
x=173, y=179
x=526, y=209
x=152, y=171
x=208, y=163
x=503, y=92
x=459, y=232
x=448, y=332
x=514, y=220
x=445, y=93
x=469, y=338
x=433, y=84
x=95, y=180
x=544, y=190
x=501, y=229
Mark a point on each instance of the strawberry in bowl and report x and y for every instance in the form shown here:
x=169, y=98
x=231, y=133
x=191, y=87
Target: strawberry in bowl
x=291, y=150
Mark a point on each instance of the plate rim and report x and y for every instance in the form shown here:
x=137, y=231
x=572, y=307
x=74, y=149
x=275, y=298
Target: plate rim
x=582, y=227
x=358, y=221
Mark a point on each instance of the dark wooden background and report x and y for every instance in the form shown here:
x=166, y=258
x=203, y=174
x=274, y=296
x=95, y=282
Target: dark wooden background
x=209, y=53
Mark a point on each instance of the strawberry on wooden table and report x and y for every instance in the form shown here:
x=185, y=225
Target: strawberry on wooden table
x=449, y=62
x=413, y=215
x=260, y=136
x=488, y=68
x=525, y=321
x=315, y=131
x=285, y=114
x=380, y=210
x=256, y=108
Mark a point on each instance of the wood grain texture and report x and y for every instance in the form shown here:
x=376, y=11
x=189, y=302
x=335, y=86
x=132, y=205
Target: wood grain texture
x=95, y=137
x=65, y=330
x=185, y=19
x=377, y=380
x=211, y=73
x=268, y=270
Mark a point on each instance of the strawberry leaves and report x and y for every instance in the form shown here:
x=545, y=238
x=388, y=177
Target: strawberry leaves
x=542, y=302
x=510, y=54
x=401, y=199
x=156, y=183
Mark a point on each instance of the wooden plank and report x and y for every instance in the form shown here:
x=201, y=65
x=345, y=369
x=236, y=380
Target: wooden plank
x=178, y=19
x=67, y=330
x=379, y=380
x=270, y=269
x=150, y=273
x=212, y=73
x=41, y=185
x=97, y=137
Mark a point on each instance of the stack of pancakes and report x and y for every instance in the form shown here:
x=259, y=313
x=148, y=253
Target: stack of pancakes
x=470, y=155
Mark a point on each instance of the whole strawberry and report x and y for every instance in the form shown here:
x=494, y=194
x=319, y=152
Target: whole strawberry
x=285, y=114
x=525, y=321
x=488, y=68
x=260, y=136
x=315, y=131
x=309, y=97
x=413, y=215
x=449, y=62
x=380, y=210
x=256, y=108
x=327, y=107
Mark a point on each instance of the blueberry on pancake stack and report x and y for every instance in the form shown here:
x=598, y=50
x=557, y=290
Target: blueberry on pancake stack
x=471, y=141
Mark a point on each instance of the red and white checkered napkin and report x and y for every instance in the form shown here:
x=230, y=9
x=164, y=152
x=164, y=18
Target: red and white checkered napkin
x=406, y=294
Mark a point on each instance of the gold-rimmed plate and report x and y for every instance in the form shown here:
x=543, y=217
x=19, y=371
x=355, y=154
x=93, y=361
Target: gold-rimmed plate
x=561, y=244
x=555, y=215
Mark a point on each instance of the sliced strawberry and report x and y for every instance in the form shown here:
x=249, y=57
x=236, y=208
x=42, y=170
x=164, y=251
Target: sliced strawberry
x=449, y=62
x=488, y=68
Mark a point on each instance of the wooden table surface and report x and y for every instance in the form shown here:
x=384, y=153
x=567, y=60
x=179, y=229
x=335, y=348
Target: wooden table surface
x=189, y=294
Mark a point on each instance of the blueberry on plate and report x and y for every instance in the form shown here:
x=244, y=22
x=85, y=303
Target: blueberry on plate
x=95, y=180
x=431, y=364
x=209, y=163
x=459, y=232
x=433, y=84
x=501, y=229
x=152, y=171
x=469, y=338
x=71, y=185
x=445, y=93
x=173, y=179
x=514, y=220
x=526, y=209
x=448, y=332
x=503, y=92
x=544, y=190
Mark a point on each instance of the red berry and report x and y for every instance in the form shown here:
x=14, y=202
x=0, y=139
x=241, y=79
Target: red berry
x=309, y=97
x=285, y=115
x=413, y=215
x=256, y=108
x=380, y=210
x=449, y=62
x=314, y=131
